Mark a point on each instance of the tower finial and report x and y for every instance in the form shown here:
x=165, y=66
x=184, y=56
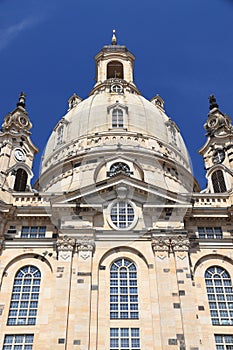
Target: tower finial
x=22, y=99
x=212, y=101
x=114, y=39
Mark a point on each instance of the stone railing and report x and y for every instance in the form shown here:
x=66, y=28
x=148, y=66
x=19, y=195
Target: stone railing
x=211, y=200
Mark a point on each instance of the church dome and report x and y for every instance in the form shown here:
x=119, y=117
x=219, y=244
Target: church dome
x=114, y=120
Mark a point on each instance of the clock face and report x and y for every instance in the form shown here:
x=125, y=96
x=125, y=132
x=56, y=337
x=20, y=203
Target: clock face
x=19, y=155
x=218, y=156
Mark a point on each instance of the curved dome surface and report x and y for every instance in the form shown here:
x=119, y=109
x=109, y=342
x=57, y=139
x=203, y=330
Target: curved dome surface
x=93, y=116
x=115, y=123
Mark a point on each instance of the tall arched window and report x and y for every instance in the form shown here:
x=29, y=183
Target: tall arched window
x=20, y=180
x=117, y=118
x=123, y=289
x=115, y=70
x=220, y=295
x=218, y=181
x=25, y=295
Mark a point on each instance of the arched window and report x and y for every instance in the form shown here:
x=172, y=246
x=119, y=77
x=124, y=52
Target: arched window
x=115, y=70
x=60, y=133
x=117, y=118
x=25, y=295
x=220, y=295
x=218, y=181
x=123, y=290
x=20, y=180
x=118, y=168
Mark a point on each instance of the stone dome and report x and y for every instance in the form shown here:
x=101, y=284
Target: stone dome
x=114, y=119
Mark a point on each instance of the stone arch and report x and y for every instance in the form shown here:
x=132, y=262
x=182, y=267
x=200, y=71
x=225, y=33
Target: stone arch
x=211, y=259
x=115, y=69
x=127, y=160
x=21, y=178
x=123, y=250
x=19, y=260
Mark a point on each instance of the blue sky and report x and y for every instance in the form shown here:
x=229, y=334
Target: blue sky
x=183, y=50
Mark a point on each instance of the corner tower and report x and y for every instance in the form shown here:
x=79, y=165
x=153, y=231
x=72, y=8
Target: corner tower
x=17, y=150
x=217, y=151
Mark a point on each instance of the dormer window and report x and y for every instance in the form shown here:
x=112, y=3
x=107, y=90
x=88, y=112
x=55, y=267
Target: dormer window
x=115, y=70
x=117, y=118
x=60, y=134
x=119, y=168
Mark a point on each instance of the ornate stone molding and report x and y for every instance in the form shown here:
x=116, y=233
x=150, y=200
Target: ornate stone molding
x=85, y=247
x=170, y=244
x=65, y=248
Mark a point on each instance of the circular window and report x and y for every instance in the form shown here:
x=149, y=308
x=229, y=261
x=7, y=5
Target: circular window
x=122, y=215
x=116, y=88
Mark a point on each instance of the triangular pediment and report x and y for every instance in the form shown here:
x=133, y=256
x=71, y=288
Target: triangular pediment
x=105, y=191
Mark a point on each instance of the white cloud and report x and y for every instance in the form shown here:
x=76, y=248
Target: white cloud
x=10, y=33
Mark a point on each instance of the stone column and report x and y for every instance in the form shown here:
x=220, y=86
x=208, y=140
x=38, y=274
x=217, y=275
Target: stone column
x=80, y=305
x=186, y=290
x=62, y=282
x=178, y=317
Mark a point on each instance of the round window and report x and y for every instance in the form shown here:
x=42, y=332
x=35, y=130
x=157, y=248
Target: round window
x=116, y=88
x=122, y=214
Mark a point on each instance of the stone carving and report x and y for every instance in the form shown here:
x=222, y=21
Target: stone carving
x=170, y=244
x=85, y=247
x=65, y=247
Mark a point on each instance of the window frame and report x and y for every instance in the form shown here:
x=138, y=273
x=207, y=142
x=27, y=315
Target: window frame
x=39, y=232
x=124, y=303
x=204, y=234
x=25, y=296
x=218, y=181
x=10, y=345
x=124, y=110
x=124, y=338
x=220, y=295
x=221, y=344
x=119, y=217
x=117, y=118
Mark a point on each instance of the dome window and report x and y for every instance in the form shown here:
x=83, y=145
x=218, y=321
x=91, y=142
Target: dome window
x=60, y=134
x=115, y=70
x=119, y=168
x=117, y=118
x=218, y=182
x=116, y=88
